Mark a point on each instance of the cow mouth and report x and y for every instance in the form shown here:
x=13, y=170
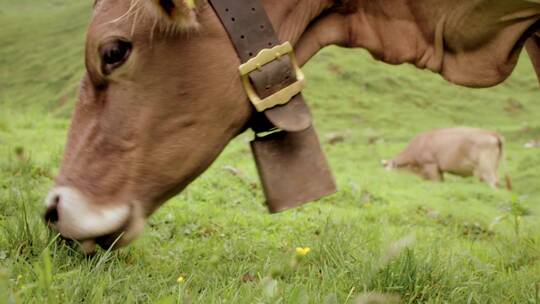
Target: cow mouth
x=109, y=241
x=113, y=240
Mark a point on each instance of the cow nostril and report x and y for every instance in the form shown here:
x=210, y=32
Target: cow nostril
x=51, y=215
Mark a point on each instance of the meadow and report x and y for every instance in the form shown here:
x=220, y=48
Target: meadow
x=383, y=238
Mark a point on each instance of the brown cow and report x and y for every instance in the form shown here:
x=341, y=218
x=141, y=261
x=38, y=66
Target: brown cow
x=461, y=151
x=162, y=96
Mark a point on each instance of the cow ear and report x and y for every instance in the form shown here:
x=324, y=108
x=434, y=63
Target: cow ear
x=176, y=14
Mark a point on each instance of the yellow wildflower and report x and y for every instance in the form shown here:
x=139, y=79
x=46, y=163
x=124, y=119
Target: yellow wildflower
x=368, y=205
x=302, y=251
x=180, y=280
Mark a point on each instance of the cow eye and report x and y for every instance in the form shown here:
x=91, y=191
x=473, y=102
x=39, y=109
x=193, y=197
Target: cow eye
x=113, y=54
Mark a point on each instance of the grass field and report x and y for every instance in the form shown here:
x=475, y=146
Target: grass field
x=383, y=237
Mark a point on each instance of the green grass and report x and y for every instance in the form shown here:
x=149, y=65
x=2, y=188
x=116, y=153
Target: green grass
x=389, y=233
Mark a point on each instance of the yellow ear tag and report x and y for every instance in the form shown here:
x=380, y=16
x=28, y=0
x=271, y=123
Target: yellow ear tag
x=190, y=3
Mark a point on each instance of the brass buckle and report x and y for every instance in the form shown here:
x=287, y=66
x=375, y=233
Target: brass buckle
x=266, y=56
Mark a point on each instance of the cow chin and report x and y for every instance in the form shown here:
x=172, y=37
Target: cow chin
x=72, y=215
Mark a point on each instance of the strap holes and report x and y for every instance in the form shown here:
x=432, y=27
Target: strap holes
x=250, y=54
x=242, y=37
x=253, y=9
x=262, y=27
x=227, y=10
x=233, y=19
x=269, y=43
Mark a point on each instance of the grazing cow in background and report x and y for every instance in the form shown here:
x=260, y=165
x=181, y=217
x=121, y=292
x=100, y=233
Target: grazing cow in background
x=532, y=144
x=460, y=151
x=162, y=95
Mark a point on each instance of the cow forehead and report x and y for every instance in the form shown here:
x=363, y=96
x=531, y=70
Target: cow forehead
x=162, y=16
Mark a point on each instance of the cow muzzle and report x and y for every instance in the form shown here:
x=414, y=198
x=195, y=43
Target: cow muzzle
x=74, y=217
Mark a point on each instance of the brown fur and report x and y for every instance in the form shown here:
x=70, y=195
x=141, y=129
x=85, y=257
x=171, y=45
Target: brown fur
x=533, y=48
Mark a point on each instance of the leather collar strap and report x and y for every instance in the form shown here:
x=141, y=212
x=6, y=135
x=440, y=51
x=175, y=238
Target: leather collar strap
x=250, y=32
x=291, y=163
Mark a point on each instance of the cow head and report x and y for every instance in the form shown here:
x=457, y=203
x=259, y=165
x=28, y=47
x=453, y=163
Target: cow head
x=393, y=164
x=388, y=165
x=153, y=113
